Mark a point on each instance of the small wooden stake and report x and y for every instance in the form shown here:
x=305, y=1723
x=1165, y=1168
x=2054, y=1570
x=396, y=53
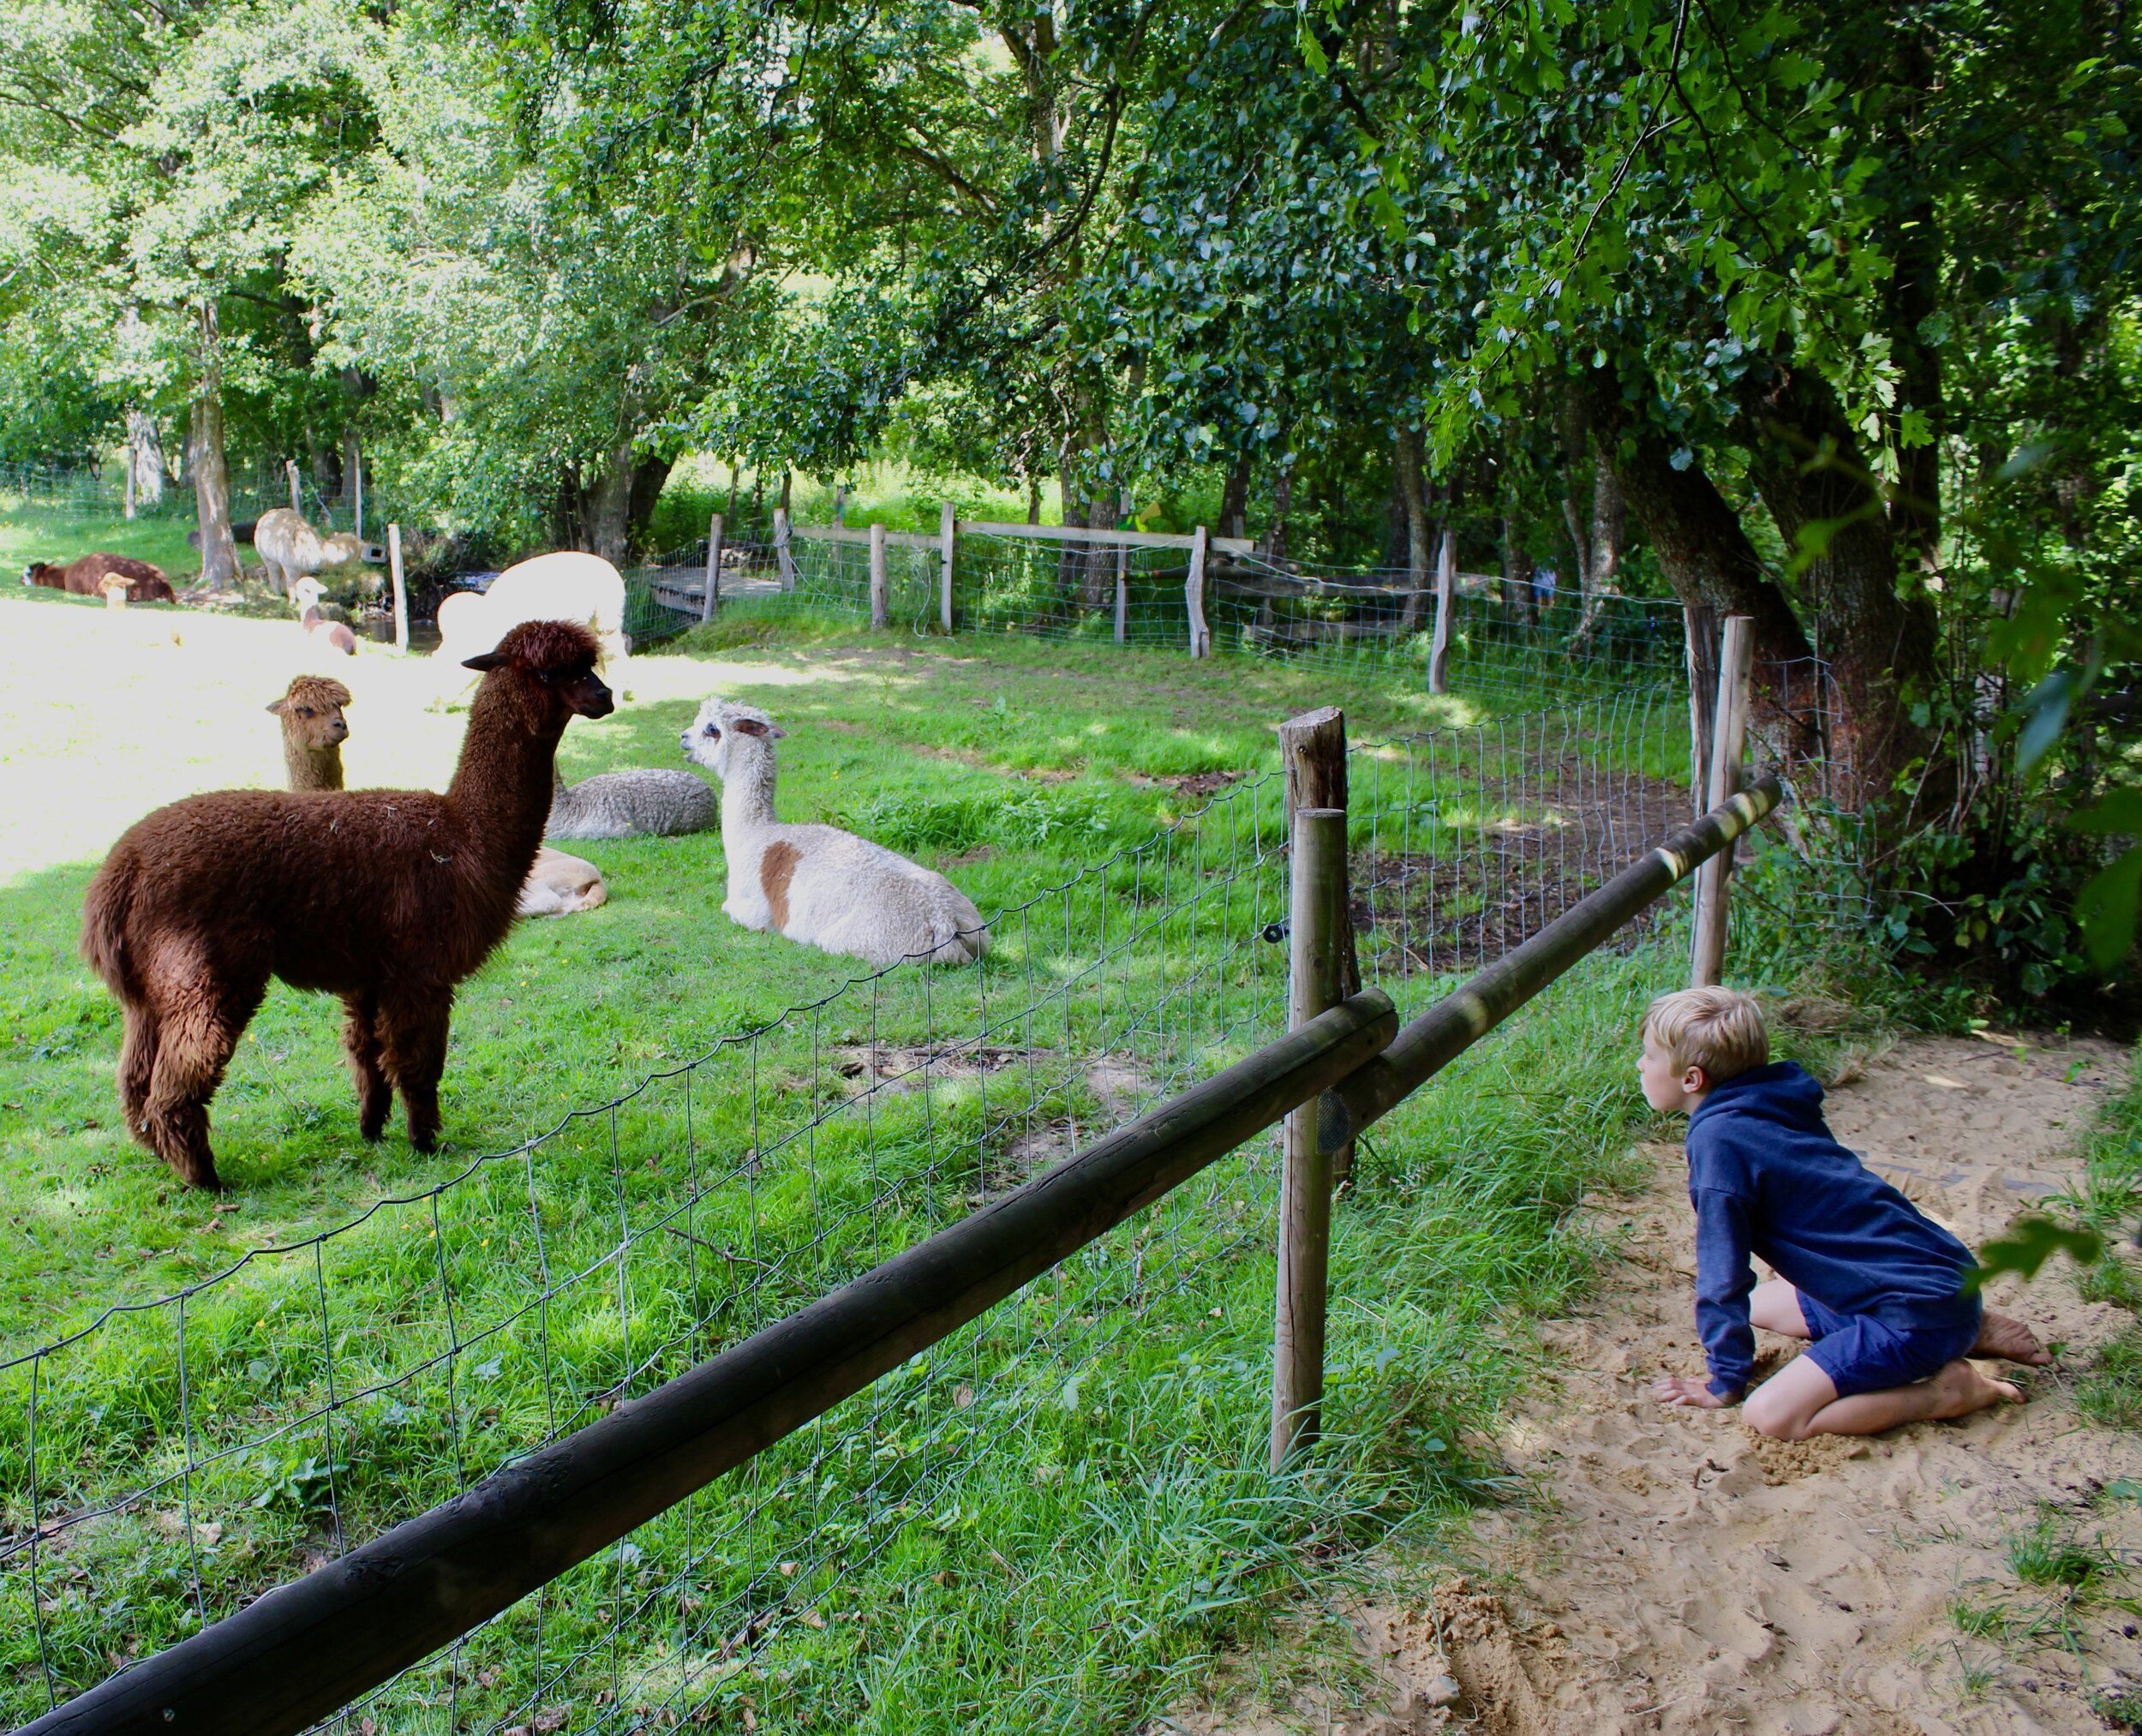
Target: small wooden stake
x=401, y=592
x=713, y=592
x=878, y=616
x=782, y=554
x=948, y=528
x=1445, y=589
x=1305, y=1187
x=1735, y=663
x=1700, y=622
x=1193, y=595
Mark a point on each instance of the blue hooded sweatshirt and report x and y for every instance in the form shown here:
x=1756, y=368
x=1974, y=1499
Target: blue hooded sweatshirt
x=1767, y=1177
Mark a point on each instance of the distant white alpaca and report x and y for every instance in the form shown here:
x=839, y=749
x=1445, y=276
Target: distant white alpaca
x=818, y=884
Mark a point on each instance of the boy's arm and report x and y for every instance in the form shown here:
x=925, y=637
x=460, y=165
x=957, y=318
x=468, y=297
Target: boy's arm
x=1724, y=1278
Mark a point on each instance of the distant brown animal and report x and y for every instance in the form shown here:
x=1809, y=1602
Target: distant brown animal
x=313, y=730
x=386, y=898
x=86, y=577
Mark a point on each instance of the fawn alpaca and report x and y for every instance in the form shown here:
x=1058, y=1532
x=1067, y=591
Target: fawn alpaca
x=817, y=883
x=386, y=898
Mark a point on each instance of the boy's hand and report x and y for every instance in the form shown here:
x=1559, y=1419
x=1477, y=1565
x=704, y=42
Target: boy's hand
x=1675, y=1389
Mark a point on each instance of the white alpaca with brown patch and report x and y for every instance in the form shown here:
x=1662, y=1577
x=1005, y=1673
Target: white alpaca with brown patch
x=818, y=884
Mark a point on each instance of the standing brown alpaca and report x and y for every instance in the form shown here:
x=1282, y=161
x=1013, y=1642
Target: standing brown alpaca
x=386, y=898
x=313, y=730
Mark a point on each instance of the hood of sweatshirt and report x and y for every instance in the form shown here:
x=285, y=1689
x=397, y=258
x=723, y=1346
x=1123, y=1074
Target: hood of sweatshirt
x=1784, y=1093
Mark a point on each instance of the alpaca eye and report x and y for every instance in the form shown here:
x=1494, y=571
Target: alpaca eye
x=712, y=732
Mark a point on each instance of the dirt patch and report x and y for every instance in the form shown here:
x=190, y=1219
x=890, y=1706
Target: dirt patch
x=1683, y=1574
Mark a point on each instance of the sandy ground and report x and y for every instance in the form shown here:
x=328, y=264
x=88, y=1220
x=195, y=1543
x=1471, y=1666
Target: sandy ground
x=1681, y=1573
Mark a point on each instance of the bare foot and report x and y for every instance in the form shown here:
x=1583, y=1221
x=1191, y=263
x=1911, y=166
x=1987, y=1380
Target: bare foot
x=1959, y=1389
x=2010, y=1340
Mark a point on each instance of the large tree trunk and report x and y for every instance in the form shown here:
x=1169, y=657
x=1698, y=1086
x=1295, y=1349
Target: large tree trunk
x=1880, y=648
x=1235, y=499
x=145, y=460
x=1413, y=491
x=619, y=502
x=1275, y=549
x=1520, y=601
x=212, y=473
x=1610, y=536
x=1706, y=556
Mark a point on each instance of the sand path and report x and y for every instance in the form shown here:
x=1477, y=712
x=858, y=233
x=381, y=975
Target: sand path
x=1682, y=1574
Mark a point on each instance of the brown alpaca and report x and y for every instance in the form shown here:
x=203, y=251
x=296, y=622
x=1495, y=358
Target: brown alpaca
x=85, y=578
x=313, y=730
x=386, y=898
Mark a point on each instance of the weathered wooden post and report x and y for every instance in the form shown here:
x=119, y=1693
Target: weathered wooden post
x=1700, y=622
x=1193, y=595
x=1445, y=589
x=948, y=528
x=841, y=504
x=783, y=555
x=1312, y=750
x=357, y=473
x=401, y=591
x=878, y=616
x=289, y=467
x=1305, y=1185
x=1735, y=664
x=712, y=595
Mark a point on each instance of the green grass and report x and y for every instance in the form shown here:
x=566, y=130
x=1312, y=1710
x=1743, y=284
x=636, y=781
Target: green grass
x=42, y=533
x=1041, y=1524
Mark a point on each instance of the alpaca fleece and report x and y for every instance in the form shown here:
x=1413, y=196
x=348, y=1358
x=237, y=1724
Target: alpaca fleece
x=85, y=578
x=642, y=803
x=386, y=898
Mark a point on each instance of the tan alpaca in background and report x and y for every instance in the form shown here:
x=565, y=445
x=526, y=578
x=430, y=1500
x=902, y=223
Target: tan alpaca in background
x=818, y=884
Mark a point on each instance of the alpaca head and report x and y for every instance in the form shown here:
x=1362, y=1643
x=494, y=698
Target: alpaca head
x=548, y=669
x=719, y=727
x=311, y=711
x=41, y=572
x=306, y=594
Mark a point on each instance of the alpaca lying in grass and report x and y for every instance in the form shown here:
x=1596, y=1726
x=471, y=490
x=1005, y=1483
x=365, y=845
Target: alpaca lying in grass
x=313, y=730
x=386, y=898
x=818, y=884
x=328, y=635
x=644, y=802
x=561, y=885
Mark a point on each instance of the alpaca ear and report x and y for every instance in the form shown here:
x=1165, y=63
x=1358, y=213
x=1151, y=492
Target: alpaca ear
x=276, y=705
x=488, y=661
x=751, y=726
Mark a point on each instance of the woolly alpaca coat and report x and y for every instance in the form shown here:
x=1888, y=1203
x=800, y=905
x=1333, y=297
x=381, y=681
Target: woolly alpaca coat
x=386, y=898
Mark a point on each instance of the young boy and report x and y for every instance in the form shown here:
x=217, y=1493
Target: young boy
x=1875, y=1286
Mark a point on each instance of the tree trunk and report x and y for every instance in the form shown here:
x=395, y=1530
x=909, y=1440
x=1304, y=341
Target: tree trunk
x=1520, y=601
x=1234, y=500
x=1880, y=648
x=1413, y=493
x=144, y=459
x=1282, y=503
x=619, y=502
x=1609, y=535
x=1706, y=556
x=1033, y=499
x=212, y=474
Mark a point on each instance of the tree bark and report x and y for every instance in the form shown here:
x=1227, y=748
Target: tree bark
x=1879, y=646
x=1282, y=504
x=1520, y=601
x=1610, y=535
x=617, y=508
x=1234, y=500
x=144, y=459
x=212, y=474
x=1413, y=491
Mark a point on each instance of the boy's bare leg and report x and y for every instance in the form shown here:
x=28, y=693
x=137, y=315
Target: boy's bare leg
x=1801, y=1399
x=1774, y=1306
x=2010, y=1340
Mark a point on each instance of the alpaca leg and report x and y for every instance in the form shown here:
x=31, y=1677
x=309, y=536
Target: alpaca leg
x=137, y=1064
x=361, y=1043
x=195, y=1042
x=415, y=1055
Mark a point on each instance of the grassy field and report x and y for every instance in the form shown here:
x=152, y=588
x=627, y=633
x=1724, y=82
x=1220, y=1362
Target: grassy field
x=1036, y=1524
x=28, y=533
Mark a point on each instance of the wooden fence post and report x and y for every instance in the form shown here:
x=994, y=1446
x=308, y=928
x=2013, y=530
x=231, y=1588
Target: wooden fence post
x=290, y=466
x=878, y=615
x=713, y=592
x=357, y=453
x=1700, y=622
x=1312, y=749
x=1193, y=595
x=841, y=504
x=1305, y=1186
x=1445, y=589
x=948, y=529
x=401, y=591
x=782, y=554
x=1735, y=662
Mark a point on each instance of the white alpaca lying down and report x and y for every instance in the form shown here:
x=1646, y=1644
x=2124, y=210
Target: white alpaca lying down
x=817, y=883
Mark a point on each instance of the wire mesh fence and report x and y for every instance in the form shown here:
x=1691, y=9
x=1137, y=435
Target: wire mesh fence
x=170, y=1461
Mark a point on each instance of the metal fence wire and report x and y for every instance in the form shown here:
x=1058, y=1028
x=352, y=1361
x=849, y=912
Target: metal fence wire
x=170, y=1461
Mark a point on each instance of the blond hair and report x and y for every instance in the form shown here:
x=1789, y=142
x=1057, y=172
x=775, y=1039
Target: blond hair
x=1718, y=1030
